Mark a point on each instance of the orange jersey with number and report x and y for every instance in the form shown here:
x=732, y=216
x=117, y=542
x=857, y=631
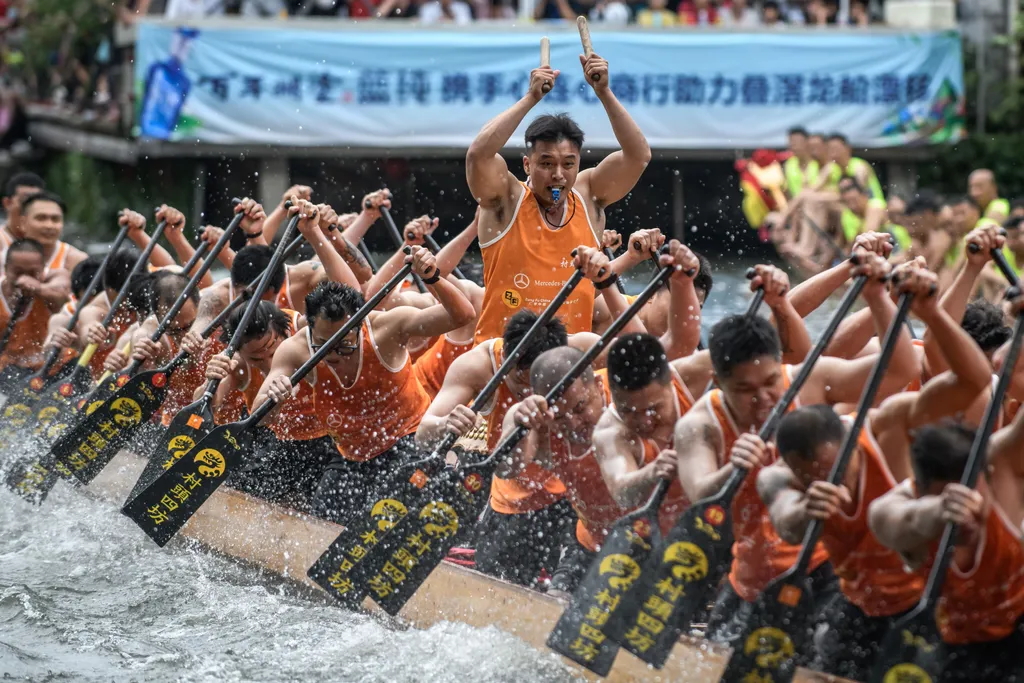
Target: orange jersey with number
x=758, y=554
x=25, y=345
x=381, y=406
x=984, y=603
x=871, y=576
x=528, y=262
x=533, y=488
x=433, y=364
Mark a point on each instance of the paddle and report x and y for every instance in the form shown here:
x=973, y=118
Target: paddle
x=19, y=310
x=696, y=551
x=396, y=237
x=777, y=627
x=170, y=501
x=618, y=281
x=436, y=248
x=59, y=399
x=403, y=491
x=912, y=648
x=17, y=413
x=453, y=501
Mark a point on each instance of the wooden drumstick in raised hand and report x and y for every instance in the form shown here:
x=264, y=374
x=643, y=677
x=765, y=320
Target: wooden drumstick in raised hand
x=545, y=60
x=588, y=47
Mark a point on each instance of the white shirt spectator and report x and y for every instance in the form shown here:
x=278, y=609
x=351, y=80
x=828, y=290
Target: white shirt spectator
x=193, y=9
x=748, y=16
x=433, y=13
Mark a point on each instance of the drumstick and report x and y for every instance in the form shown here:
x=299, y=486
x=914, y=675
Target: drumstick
x=545, y=61
x=588, y=47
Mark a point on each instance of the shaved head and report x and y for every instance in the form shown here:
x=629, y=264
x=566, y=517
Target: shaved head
x=982, y=175
x=552, y=365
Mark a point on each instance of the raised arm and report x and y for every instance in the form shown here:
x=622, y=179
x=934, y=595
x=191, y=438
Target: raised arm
x=451, y=254
x=449, y=411
x=792, y=332
x=649, y=240
x=369, y=213
x=334, y=267
x=137, y=232
x=277, y=216
x=210, y=234
x=684, y=315
x=615, y=176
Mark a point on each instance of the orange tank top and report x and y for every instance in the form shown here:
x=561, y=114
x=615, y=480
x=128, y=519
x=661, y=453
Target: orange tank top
x=526, y=265
x=121, y=322
x=432, y=366
x=917, y=383
x=183, y=383
x=284, y=295
x=381, y=406
x=25, y=345
x=421, y=347
x=60, y=257
x=871, y=576
x=533, y=488
x=758, y=554
x=985, y=603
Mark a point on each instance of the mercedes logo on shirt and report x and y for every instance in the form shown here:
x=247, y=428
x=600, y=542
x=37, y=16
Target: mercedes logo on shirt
x=521, y=281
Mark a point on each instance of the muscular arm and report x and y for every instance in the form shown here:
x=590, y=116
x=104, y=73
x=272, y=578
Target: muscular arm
x=159, y=257
x=699, y=470
x=385, y=273
x=617, y=456
x=535, y=447
x=352, y=258
x=954, y=302
x=787, y=505
x=615, y=176
x=853, y=335
x=465, y=378
x=452, y=311
x=810, y=294
x=904, y=523
x=486, y=172
x=55, y=289
x=290, y=355
x=452, y=253
x=792, y=331
x=184, y=251
x=684, y=315
x=334, y=266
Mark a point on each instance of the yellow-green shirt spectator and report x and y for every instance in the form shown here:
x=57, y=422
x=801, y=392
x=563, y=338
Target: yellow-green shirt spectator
x=853, y=224
x=856, y=168
x=997, y=207
x=798, y=178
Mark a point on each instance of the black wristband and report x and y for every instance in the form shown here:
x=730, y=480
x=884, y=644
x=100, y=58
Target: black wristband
x=433, y=278
x=607, y=282
x=253, y=235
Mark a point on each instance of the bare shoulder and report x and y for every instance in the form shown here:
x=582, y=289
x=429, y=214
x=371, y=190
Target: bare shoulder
x=74, y=257
x=582, y=341
x=698, y=426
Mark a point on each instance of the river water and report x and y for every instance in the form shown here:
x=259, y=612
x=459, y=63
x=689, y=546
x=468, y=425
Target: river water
x=76, y=605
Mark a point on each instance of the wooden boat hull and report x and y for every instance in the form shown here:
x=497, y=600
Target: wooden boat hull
x=286, y=543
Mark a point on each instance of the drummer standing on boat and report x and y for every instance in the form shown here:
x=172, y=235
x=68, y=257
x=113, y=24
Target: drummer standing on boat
x=527, y=230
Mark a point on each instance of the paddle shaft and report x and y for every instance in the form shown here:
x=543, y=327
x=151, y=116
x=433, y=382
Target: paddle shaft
x=511, y=359
x=506, y=445
x=19, y=309
x=357, y=318
x=1000, y=260
x=436, y=248
x=618, y=281
x=396, y=237
x=198, y=254
x=365, y=251
x=975, y=463
x=142, y=259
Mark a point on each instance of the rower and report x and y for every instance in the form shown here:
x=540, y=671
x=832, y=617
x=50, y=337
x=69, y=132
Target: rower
x=875, y=588
x=365, y=391
x=81, y=276
x=293, y=448
x=979, y=615
x=16, y=190
x=982, y=188
x=90, y=327
x=746, y=357
x=42, y=219
x=24, y=277
x=527, y=230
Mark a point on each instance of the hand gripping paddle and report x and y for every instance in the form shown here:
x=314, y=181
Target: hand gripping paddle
x=912, y=650
x=170, y=501
x=577, y=634
x=396, y=237
x=398, y=565
x=777, y=628
x=695, y=553
x=404, y=491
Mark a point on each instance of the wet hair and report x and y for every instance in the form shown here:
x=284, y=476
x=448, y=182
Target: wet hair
x=22, y=180
x=115, y=275
x=332, y=301
x=924, y=200
x=796, y=130
x=266, y=318
x=553, y=128
x=552, y=365
x=840, y=137
x=250, y=263
x=43, y=196
x=140, y=293
x=551, y=335
x=939, y=452
x=852, y=183
x=165, y=288
x=635, y=361
x=803, y=430
x=737, y=339
x=83, y=273
x=24, y=245
x=984, y=321
x=703, y=281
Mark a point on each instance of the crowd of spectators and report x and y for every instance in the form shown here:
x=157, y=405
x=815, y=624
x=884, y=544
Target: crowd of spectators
x=654, y=13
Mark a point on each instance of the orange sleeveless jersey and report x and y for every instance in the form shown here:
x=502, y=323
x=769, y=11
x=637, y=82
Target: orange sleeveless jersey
x=526, y=265
x=433, y=364
x=284, y=295
x=380, y=407
x=60, y=253
x=421, y=349
x=759, y=555
x=121, y=322
x=871, y=576
x=917, y=383
x=25, y=346
x=985, y=603
x=183, y=383
x=534, y=488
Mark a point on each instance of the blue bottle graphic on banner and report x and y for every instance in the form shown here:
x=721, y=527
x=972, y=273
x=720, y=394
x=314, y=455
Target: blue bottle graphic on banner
x=167, y=87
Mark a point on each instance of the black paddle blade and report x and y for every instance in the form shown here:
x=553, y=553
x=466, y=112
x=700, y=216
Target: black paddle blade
x=34, y=478
x=87, y=447
x=911, y=651
x=578, y=635
x=775, y=633
x=164, y=506
x=333, y=569
x=400, y=563
x=674, y=583
x=58, y=408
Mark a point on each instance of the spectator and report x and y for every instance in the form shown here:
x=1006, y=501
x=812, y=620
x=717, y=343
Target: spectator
x=859, y=15
x=771, y=14
x=698, y=13
x=560, y=9
x=193, y=9
x=817, y=13
x=445, y=11
x=656, y=14
x=610, y=13
x=739, y=14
